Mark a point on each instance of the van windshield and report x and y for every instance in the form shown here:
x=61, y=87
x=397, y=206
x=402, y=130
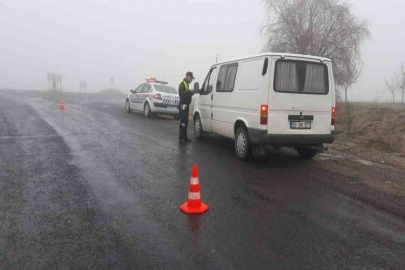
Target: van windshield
x=301, y=77
x=165, y=89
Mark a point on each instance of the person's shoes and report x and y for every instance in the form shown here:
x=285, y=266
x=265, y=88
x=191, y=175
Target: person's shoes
x=184, y=141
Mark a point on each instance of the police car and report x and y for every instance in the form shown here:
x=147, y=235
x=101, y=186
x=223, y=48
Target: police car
x=154, y=97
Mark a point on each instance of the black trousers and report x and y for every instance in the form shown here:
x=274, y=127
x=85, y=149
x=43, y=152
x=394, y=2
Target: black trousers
x=183, y=121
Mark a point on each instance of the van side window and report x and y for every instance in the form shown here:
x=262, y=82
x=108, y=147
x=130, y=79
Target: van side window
x=204, y=86
x=221, y=78
x=211, y=81
x=205, y=90
x=230, y=78
x=265, y=66
x=226, y=78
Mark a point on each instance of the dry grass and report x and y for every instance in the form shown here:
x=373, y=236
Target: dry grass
x=378, y=126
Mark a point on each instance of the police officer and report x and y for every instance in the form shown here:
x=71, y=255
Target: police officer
x=184, y=107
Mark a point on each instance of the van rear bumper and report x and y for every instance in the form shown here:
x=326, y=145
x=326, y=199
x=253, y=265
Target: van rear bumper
x=260, y=137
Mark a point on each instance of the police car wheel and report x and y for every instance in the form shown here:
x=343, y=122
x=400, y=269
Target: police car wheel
x=198, y=128
x=146, y=110
x=242, y=145
x=128, y=106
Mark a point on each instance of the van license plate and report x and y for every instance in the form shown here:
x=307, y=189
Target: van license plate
x=300, y=125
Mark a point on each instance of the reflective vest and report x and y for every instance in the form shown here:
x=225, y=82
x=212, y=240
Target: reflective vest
x=185, y=85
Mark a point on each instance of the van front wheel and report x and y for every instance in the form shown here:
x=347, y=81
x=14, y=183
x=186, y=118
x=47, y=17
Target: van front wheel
x=307, y=153
x=198, y=128
x=242, y=145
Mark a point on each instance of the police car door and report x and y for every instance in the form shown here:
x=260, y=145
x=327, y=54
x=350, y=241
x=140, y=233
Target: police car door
x=136, y=98
x=145, y=95
x=205, y=99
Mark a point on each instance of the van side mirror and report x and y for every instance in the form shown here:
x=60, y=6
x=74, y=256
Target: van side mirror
x=132, y=91
x=196, y=88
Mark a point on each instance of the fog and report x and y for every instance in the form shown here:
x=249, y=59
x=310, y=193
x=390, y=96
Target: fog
x=92, y=40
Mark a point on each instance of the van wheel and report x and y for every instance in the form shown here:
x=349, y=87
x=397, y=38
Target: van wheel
x=198, y=128
x=307, y=153
x=146, y=110
x=128, y=107
x=242, y=145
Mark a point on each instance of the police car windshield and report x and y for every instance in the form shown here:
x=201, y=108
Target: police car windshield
x=165, y=89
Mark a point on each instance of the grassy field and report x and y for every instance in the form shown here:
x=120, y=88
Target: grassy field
x=378, y=126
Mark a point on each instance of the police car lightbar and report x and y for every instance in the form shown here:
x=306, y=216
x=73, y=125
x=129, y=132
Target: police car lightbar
x=153, y=80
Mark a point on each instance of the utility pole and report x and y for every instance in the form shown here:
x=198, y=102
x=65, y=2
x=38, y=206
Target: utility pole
x=49, y=81
x=83, y=86
x=112, y=83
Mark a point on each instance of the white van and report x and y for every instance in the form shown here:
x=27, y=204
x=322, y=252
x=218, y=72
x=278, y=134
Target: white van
x=281, y=100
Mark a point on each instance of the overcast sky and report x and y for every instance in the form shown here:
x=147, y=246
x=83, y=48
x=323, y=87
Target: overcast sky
x=92, y=40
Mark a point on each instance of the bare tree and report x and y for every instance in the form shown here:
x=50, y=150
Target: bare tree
x=401, y=82
x=350, y=73
x=378, y=95
x=391, y=87
x=349, y=116
x=324, y=28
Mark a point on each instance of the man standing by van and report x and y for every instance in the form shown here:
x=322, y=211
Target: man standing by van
x=184, y=107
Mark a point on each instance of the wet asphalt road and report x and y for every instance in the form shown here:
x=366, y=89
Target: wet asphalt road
x=93, y=187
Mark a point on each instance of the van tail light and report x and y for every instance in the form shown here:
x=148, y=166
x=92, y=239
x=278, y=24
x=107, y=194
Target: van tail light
x=158, y=96
x=264, y=110
x=333, y=116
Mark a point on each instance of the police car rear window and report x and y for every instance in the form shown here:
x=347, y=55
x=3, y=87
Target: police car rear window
x=165, y=89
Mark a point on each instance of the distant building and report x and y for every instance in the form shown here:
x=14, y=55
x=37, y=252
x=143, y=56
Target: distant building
x=54, y=81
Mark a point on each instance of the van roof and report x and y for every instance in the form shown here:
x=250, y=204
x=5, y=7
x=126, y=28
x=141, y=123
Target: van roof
x=287, y=55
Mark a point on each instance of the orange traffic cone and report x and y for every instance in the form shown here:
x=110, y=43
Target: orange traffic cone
x=62, y=104
x=194, y=204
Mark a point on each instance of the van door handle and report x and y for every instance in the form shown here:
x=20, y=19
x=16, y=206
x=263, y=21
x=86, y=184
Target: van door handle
x=212, y=96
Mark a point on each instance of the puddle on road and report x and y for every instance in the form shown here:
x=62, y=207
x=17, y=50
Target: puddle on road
x=324, y=157
x=364, y=162
x=330, y=157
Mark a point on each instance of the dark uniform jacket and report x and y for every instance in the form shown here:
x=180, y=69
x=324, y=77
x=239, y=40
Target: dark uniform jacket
x=185, y=93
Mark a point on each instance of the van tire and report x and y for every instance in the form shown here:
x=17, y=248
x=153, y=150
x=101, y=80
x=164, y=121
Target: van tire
x=128, y=106
x=307, y=153
x=198, y=128
x=243, y=148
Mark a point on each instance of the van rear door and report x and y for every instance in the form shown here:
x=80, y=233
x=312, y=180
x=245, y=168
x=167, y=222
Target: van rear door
x=301, y=97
